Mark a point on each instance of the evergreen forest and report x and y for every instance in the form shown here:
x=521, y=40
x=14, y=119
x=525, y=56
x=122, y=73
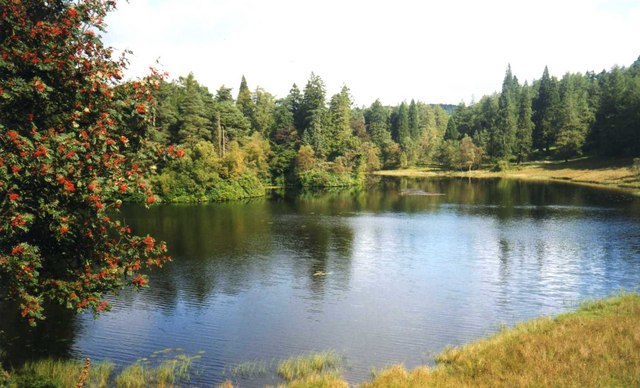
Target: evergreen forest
x=237, y=144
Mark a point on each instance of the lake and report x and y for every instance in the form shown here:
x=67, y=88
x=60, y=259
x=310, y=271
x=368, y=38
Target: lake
x=375, y=275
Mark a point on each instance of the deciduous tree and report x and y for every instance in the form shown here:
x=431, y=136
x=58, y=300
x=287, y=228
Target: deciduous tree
x=73, y=141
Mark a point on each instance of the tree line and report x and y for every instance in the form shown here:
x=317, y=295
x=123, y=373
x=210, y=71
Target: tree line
x=237, y=146
x=561, y=118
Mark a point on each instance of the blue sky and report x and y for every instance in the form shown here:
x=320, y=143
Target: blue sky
x=433, y=51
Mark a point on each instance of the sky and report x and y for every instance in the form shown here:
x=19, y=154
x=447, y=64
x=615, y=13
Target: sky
x=444, y=51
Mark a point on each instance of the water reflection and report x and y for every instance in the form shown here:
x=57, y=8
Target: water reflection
x=380, y=276
x=19, y=342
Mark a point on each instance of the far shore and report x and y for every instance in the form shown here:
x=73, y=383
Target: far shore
x=605, y=173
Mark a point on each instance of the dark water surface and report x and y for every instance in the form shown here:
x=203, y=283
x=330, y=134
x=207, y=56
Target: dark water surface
x=379, y=277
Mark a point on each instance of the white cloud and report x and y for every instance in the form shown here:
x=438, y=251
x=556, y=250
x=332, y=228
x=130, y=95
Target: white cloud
x=434, y=51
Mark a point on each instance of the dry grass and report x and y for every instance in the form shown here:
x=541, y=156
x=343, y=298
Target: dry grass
x=616, y=173
x=598, y=345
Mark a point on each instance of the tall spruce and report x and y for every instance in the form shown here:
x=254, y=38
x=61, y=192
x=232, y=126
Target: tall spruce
x=245, y=101
x=340, y=117
x=414, y=121
x=574, y=117
x=524, y=139
x=313, y=110
x=193, y=123
x=377, y=124
x=295, y=105
x=400, y=125
x=452, y=130
x=545, y=107
x=503, y=138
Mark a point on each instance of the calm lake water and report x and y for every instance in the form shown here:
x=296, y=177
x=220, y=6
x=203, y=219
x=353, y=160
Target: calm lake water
x=380, y=277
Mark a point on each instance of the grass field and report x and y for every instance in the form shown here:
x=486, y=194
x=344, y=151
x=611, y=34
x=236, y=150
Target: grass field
x=611, y=173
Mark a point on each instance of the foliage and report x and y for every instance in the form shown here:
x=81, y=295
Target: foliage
x=202, y=176
x=448, y=155
x=73, y=141
x=565, y=117
x=502, y=165
x=60, y=373
x=470, y=154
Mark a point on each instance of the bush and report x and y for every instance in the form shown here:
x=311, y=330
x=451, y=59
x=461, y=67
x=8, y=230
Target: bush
x=320, y=178
x=502, y=165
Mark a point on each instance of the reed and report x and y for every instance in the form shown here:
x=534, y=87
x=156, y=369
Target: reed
x=306, y=365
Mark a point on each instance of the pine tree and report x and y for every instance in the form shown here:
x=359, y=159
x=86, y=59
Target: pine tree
x=524, y=138
x=340, y=117
x=503, y=138
x=545, y=107
x=313, y=100
x=400, y=125
x=193, y=124
x=224, y=94
x=377, y=124
x=414, y=121
x=573, y=117
x=245, y=102
x=441, y=118
x=452, y=130
x=295, y=106
x=313, y=110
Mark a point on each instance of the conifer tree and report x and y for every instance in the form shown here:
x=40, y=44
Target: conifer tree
x=313, y=100
x=245, y=102
x=377, y=124
x=503, y=138
x=340, y=117
x=400, y=125
x=295, y=106
x=545, y=106
x=524, y=138
x=194, y=125
x=573, y=118
x=452, y=130
x=313, y=110
x=414, y=120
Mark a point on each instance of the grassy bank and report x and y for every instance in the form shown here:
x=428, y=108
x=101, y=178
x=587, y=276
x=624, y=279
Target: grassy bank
x=597, y=345
x=48, y=373
x=616, y=173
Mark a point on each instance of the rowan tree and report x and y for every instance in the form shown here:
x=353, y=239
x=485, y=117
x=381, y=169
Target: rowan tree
x=73, y=143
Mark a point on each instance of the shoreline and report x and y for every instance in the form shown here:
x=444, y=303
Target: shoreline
x=595, y=344
x=600, y=173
